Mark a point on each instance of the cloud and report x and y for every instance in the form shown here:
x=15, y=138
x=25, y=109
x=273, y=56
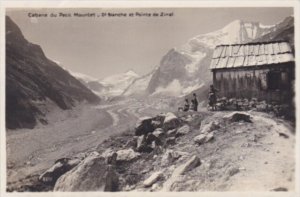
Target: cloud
x=173, y=88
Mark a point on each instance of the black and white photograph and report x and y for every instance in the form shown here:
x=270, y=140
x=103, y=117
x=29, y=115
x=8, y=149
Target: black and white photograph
x=150, y=99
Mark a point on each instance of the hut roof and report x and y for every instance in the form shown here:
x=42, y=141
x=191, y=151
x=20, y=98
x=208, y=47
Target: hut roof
x=251, y=54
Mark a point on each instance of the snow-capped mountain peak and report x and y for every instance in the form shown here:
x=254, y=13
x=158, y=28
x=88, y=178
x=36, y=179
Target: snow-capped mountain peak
x=132, y=73
x=237, y=31
x=119, y=82
x=233, y=24
x=116, y=78
x=110, y=86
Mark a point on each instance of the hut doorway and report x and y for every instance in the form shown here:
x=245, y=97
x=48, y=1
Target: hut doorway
x=273, y=80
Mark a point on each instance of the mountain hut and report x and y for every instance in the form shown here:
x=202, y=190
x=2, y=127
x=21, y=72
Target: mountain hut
x=265, y=71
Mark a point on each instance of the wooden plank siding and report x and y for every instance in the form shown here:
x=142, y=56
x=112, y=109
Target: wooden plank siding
x=255, y=82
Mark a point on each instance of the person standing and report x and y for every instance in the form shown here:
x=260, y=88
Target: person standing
x=212, y=97
x=194, y=102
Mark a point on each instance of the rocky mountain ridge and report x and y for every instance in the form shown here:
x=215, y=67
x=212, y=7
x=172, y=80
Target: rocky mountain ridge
x=34, y=82
x=185, y=69
x=284, y=31
x=108, y=87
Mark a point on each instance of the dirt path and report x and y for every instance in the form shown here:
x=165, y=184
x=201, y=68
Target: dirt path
x=242, y=157
x=270, y=164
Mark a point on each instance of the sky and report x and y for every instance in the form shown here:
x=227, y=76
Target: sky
x=103, y=46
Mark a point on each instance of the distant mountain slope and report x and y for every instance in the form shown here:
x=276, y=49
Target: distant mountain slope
x=138, y=87
x=32, y=80
x=108, y=87
x=171, y=68
x=117, y=83
x=284, y=31
x=90, y=82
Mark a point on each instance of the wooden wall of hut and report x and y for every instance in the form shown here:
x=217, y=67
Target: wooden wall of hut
x=270, y=82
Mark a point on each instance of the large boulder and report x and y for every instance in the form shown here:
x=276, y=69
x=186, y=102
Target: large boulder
x=172, y=132
x=145, y=148
x=187, y=166
x=141, y=140
x=107, y=153
x=127, y=155
x=179, y=171
x=156, y=124
x=171, y=122
x=200, y=139
x=211, y=126
x=110, y=156
x=203, y=138
x=170, y=141
x=194, y=120
x=92, y=174
x=131, y=143
x=159, y=133
x=238, y=116
x=170, y=156
x=144, y=126
x=160, y=117
x=152, y=138
x=209, y=137
x=152, y=179
x=142, y=145
x=158, y=120
x=60, y=167
x=185, y=129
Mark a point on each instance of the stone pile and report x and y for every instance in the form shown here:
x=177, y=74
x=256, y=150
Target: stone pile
x=252, y=104
x=154, y=137
x=152, y=133
x=206, y=132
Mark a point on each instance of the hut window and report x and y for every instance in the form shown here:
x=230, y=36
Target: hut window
x=273, y=79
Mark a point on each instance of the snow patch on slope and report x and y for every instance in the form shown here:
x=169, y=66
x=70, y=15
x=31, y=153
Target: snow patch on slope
x=119, y=82
x=196, y=57
x=191, y=88
x=118, y=78
x=174, y=88
x=82, y=76
x=110, y=86
x=138, y=86
x=178, y=89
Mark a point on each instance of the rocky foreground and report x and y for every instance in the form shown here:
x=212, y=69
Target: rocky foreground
x=193, y=151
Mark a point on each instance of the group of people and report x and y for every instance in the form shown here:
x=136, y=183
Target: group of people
x=193, y=106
